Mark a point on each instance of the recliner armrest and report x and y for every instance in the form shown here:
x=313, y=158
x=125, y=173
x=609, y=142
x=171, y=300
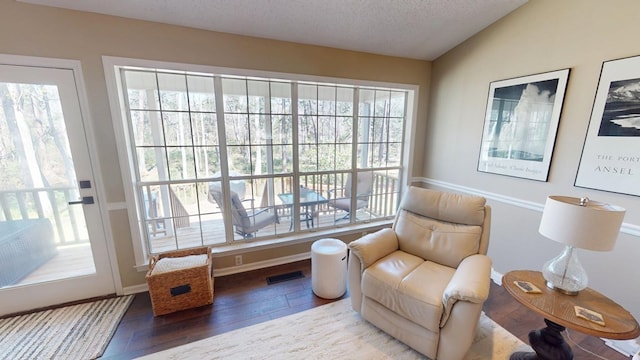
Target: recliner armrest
x=372, y=247
x=470, y=282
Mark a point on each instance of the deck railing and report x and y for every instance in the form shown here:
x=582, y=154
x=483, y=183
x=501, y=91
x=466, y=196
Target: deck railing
x=384, y=195
x=383, y=199
x=47, y=203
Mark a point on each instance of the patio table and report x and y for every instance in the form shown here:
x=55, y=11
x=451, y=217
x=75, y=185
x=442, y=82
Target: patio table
x=309, y=200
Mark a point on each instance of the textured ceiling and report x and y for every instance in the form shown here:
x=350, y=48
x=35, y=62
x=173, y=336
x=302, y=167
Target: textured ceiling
x=418, y=29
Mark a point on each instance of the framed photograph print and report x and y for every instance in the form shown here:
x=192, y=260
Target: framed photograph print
x=610, y=158
x=521, y=123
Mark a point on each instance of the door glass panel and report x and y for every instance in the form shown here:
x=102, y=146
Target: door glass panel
x=42, y=237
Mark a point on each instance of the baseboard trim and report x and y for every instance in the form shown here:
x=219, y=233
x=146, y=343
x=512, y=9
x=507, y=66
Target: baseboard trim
x=496, y=277
x=135, y=289
x=261, y=264
x=626, y=228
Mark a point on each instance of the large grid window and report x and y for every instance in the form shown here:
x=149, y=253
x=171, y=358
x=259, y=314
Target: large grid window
x=217, y=159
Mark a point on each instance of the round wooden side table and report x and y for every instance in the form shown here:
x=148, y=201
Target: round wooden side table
x=559, y=313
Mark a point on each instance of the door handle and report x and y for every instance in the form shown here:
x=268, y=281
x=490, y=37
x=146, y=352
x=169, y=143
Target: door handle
x=86, y=200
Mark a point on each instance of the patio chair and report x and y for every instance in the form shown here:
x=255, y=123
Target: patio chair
x=245, y=223
x=157, y=223
x=363, y=191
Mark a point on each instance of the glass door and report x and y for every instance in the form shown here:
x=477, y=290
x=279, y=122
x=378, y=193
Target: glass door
x=52, y=245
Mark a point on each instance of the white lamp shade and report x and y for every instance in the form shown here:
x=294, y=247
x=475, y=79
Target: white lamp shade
x=594, y=226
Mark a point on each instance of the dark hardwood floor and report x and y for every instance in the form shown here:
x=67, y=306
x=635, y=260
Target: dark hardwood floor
x=245, y=299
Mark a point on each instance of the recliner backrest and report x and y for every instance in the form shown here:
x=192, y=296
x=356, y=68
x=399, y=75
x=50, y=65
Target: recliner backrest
x=442, y=227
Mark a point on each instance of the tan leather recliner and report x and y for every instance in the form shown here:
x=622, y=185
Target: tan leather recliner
x=424, y=280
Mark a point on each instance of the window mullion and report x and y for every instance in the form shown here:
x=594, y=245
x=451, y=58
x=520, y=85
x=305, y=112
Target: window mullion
x=224, y=164
x=133, y=158
x=269, y=140
x=402, y=148
x=354, y=153
x=295, y=211
x=166, y=199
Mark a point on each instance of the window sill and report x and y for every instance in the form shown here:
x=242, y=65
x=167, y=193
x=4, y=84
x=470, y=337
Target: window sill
x=248, y=246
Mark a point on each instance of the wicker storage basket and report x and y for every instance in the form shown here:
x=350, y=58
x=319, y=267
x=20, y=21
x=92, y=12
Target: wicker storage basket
x=180, y=289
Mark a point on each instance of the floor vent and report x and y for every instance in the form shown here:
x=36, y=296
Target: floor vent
x=284, y=277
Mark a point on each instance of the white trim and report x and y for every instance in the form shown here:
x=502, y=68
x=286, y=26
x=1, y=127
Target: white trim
x=246, y=247
x=261, y=264
x=35, y=61
x=103, y=225
x=120, y=205
x=627, y=228
x=135, y=289
x=630, y=229
x=410, y=139
x=97, y=175
x=112, y=80
x=496, y=276
x=493, y=196
x=114, y=61
x=234, y=270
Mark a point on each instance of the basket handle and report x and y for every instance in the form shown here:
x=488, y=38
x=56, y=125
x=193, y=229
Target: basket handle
x=152, y=261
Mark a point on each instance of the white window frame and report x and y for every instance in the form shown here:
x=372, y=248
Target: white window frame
x=112, y=66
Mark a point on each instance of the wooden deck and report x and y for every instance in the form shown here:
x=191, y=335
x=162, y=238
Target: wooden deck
x=73, y=260
x=211, y=231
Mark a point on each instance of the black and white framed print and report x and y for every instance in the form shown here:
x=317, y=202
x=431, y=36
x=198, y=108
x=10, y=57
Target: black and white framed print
x=521, y=123
x=610, y=158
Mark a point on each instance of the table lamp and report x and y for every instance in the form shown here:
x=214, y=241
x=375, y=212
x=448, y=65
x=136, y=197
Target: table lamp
x=577, y=223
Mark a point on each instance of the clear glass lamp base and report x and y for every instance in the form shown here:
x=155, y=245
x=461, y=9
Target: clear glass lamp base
x=564, y=273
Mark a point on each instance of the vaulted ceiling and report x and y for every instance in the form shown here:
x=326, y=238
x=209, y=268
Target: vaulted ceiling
x=418, y=29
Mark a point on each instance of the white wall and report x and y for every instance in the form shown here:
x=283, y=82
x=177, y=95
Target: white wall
x=541, y=36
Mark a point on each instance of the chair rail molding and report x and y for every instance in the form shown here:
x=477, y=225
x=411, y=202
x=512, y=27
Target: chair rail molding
x=630, y=229
x=119, y=205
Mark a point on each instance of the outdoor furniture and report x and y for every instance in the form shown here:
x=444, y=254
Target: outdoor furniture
x=25, y=245
x=245, y=223
x=157, y=221
x=424, y=280
x=363, y=191
x=309, y=200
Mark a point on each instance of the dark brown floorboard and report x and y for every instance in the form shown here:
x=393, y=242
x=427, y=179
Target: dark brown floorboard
x=245, y=299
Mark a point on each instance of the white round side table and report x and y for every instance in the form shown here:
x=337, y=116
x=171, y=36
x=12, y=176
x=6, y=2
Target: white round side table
x=329, y=268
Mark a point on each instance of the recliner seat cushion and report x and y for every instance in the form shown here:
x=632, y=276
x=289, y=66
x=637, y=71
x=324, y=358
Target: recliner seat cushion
x=399, y=282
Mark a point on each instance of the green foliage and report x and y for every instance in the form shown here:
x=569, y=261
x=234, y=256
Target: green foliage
x=258, y=125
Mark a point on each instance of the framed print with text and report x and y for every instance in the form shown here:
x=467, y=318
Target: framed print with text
x=521, y=123
x=610, y=158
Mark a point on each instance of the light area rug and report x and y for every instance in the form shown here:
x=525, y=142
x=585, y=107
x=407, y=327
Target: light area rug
x=332, y=331
x=73, y=332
